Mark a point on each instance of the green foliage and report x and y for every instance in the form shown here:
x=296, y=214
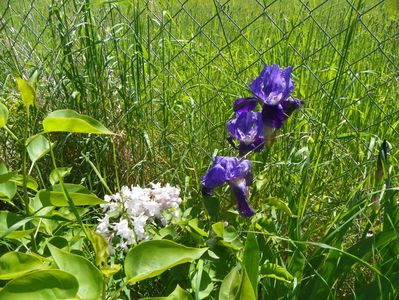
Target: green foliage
x=3, y=115
x=151, y=258
x=37, y=147
x=15, y=264
x=88, y=276
x=68, y=120
x=165, y=78
x=28, y=94
x=41, y=285
x=236, y=286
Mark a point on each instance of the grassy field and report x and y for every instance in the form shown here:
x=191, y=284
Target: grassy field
x=164, y=75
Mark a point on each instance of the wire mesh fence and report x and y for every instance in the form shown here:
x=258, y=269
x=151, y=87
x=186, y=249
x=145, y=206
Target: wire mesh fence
x=164, y=74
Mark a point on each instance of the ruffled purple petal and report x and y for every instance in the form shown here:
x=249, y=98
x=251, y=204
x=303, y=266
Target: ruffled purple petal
x=290, y=105
x=257, y=146
x=273, y=115
x=257, y=86
x=245, y=104
x=239, y=191
x=213, y=178
x=247, y=127
x=273, y=84
x=240, y=170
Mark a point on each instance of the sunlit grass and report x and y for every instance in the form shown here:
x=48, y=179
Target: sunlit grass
x=164, y=75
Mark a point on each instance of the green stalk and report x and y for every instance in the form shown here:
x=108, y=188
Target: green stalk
x=25, y=195
x=65, y=191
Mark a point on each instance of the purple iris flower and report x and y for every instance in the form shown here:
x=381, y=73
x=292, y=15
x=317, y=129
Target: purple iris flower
x=237, y=174
x=247, y=128
x=272, y=89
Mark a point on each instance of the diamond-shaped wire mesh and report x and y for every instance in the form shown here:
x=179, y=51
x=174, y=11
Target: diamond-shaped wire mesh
x=164, y=74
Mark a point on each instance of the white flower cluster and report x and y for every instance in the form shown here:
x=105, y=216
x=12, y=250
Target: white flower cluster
x=127, y=213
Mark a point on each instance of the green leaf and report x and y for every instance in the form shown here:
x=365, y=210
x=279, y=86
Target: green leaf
x=50, y=198
x=62, y=172
x=201, y=282
x=27, y=92
x=193, y=223
x=68, y=120
x=6, y=176
x=41, y=285
x=246, y=290
x=218, y=229
x=110, y=271
x=30, y=183
x=236, y=286
x=89, y=277
x=70, y=187
x=100, y=246
x=7, y=189
x=275, y=271
x=3, y=115
x=38, y=147
x=152, y=258
x=177, y=294
x=279, y=204
x=10, y=222
x=230, y=287
x=251, y=259
x=15, y=264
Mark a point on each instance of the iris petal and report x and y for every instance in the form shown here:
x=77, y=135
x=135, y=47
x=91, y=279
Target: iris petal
x=245, y=104
x=237, y=173
x=273, y=84
x=273, y=115
x=213, y=178
x=239, y=191
x=291, y=105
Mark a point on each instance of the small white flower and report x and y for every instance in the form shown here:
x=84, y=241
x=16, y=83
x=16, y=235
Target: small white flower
x=133, y=208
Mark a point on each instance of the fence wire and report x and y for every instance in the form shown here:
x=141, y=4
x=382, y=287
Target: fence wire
x=165, y=73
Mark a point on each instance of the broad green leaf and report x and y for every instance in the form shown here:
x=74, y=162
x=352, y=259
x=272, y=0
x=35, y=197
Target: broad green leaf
x=68, y=120
x=218, y=228
x=6, y=176
x=27, y=92
x=50, y=198
x=30, y=183
x=7, y=189
x=10, y=223
x=193, y=223
x=236, y=286
x=279, y=204
x=246, y=290
x=231, y=239
x=152, y=258
x=62, y=172
x=110, y=271
x=70, y=187
x=89, y=277
x=100, y=246
x=177, y=294
x=15, y=264
x=41, y=285
x=251, y=259
x=230, y=287
x=275, y=271
x=38, y=147
x=201, y=282
x=3, y=115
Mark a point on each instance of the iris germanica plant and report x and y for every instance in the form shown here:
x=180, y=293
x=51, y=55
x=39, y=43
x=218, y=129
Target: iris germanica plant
x=238, y=175
x=271, y=89
x=253, y=129
x=247, y=128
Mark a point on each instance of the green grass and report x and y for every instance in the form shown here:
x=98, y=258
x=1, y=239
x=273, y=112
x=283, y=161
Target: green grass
x=164, y=75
